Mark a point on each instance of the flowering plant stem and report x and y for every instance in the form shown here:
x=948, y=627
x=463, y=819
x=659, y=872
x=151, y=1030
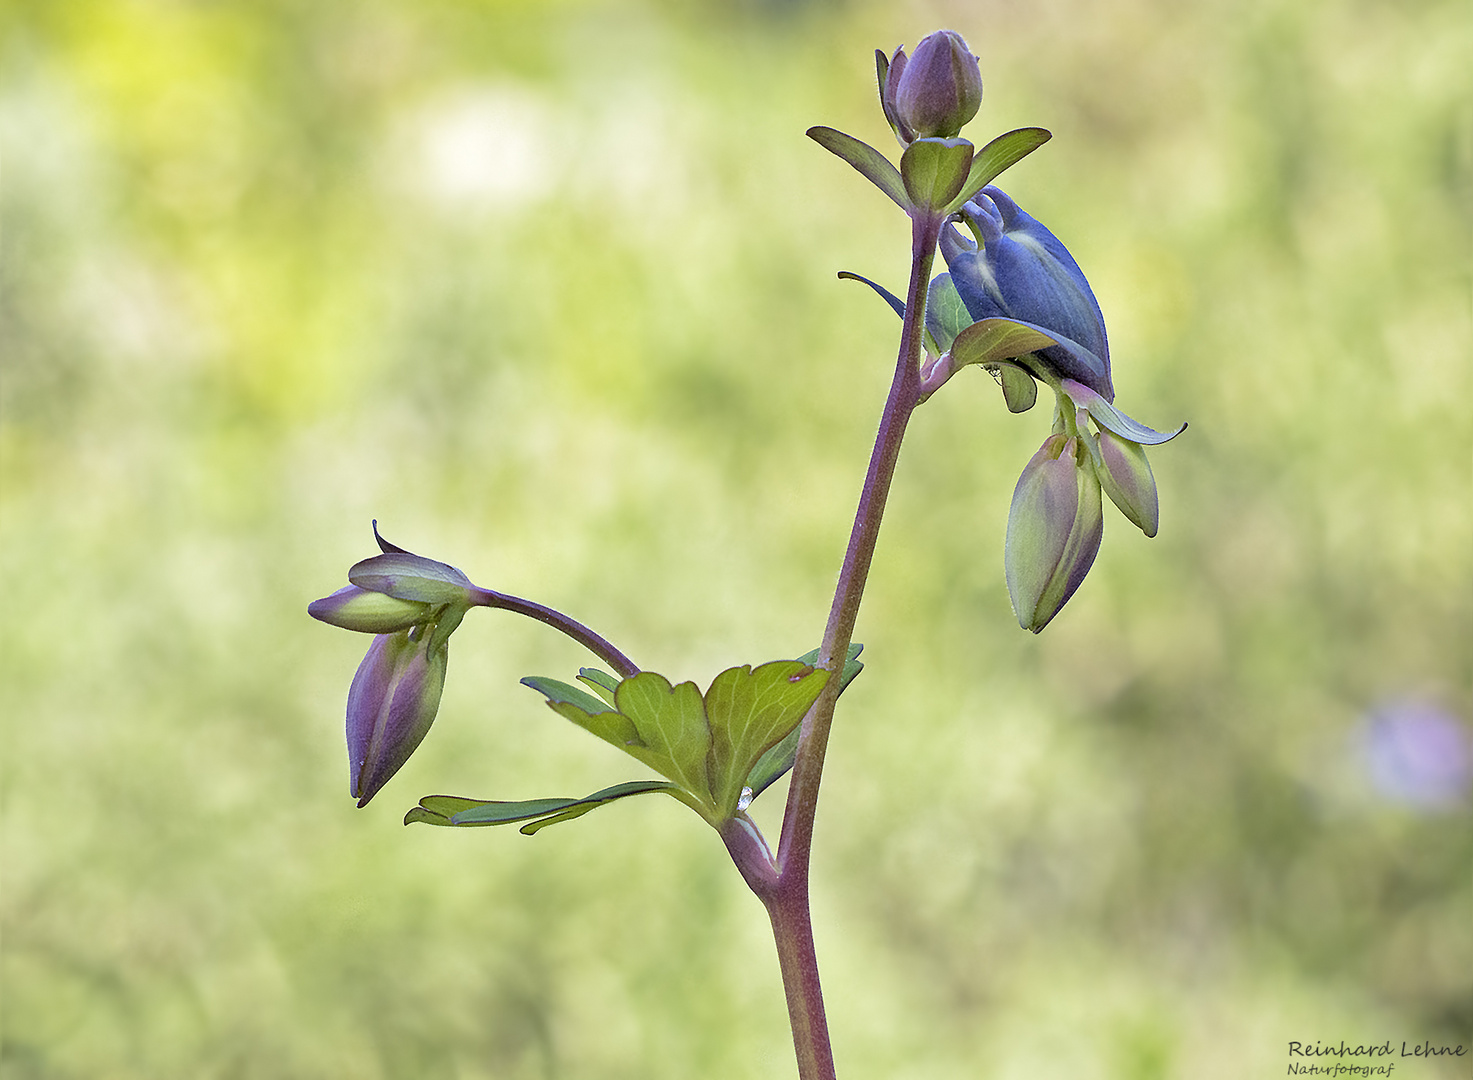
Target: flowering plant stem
x=782, y=883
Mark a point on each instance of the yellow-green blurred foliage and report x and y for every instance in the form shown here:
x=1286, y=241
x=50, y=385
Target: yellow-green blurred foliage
x=548, y=289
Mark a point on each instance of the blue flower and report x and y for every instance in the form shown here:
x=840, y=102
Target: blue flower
x=1016, y=269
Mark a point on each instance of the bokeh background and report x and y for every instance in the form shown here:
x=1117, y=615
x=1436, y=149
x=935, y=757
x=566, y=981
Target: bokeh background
x=548, y=289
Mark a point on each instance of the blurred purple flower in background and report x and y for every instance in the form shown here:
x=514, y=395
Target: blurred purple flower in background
x=1418, y=754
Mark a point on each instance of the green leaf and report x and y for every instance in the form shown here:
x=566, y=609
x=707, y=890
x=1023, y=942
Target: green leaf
x=872, y=164
x=587, y=711
x=934, y=170
x=453, y=810
x=1111, y=418
x=779, y=759
x=1019, y=389
x=946, y=315
x=750, y=710
x=896, y=304
x=672, y=727
x=602, y=683
x=990, y=340
x=1001, y=153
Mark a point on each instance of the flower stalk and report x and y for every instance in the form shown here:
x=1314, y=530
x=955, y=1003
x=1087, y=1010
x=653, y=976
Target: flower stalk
x=786, y=897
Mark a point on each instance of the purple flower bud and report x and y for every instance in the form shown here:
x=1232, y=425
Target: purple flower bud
x=1054, y=529
x=368, y=612
x=391, y=705
x=937, y=90
x=1019, y=270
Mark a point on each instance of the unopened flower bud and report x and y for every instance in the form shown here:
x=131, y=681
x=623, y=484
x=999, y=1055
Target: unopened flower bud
x=391, y=705
x=405, y=576
x=938, y=89
x=1054, y=529
x=1125, y=476
x=368, y=612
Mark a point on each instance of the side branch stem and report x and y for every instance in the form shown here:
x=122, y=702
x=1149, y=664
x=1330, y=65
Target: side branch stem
x=558, y=621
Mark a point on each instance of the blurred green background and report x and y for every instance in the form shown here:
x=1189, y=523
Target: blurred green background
x=548, y=289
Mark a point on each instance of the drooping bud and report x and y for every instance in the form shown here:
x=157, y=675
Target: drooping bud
x=1125, y=476
x=391, y=705
x=1054, y=529
x=368, y=612
x=936, y=90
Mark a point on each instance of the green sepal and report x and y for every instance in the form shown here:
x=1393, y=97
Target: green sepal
x=870, y=163
x=935, y=170
x=1001, y=153
x=946, y=315
x=779, y=759
x=751, y=710
x=453, y=810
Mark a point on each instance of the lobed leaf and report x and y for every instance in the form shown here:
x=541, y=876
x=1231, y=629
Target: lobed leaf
x=779, y=758
x=675, y=737
x=750, y=710
x=587, y=711
x=602, y=683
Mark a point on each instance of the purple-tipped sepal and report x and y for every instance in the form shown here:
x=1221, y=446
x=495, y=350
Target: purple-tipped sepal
x=391, y=705
x=1054, y=529
x=1016, y=269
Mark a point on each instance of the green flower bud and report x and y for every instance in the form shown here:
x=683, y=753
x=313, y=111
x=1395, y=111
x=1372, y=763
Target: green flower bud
x=1054, y=529
x=1125, y=475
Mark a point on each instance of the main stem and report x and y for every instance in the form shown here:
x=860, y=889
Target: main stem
x=784, y=889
